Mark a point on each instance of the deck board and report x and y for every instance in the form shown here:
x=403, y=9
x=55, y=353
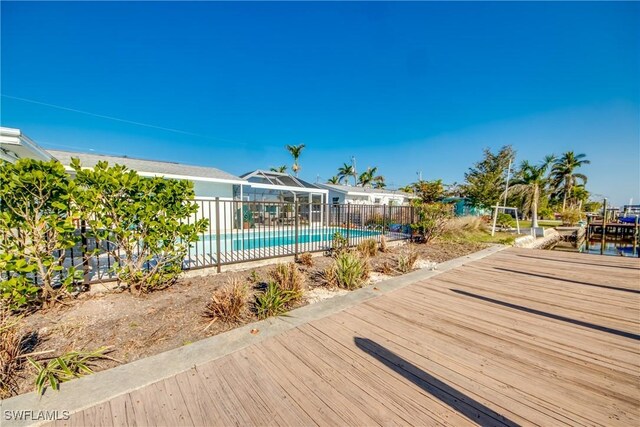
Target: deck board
x=521, y=337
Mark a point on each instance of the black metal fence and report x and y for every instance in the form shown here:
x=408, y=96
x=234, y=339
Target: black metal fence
x=241, y=231
x=246, y=231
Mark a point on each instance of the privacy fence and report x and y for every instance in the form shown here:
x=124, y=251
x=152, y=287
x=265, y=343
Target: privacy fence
x=241, y=231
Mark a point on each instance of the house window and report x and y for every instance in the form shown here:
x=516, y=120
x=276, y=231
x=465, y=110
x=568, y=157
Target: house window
x=336, y=200
x=376, y=201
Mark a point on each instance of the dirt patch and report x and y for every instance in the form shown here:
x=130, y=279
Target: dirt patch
x=140, y=326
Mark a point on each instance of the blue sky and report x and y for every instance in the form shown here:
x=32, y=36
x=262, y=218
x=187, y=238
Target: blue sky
x=406, y=87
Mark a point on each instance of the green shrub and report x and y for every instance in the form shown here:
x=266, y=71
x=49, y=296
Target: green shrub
x=17, y=290
x=145, y=219
x=351, y=270
x=504, y=220
x=368, y=248
x=339, y=243
x=432, y=219
x=571, y=216
x=255, y=277
x=66, y=367
x=36, y=229
x=274, y=301
x=228, y=303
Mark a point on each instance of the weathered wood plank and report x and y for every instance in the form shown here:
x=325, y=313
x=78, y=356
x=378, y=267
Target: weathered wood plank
x=520, y=337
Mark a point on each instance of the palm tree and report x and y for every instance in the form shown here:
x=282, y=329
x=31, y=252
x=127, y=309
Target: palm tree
x=280, y=169
x=364, y=180
x=529, y=183
x=333, y=180
x=367, y=177
x=410, y=188
x=564, y=177
x=579, y=195
x=295, y=151
x=345, y=171
x=378, y=182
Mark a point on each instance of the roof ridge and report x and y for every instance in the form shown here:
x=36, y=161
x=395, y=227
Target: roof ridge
x=124, y=156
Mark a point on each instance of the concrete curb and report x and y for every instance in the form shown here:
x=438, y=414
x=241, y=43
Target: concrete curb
x=102, y=386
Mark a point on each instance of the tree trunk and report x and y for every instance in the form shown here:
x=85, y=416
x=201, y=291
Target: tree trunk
x=534, y=208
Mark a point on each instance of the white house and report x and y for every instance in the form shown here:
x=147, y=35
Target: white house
x=339, y=194
x=208, y=182
x=268, y=186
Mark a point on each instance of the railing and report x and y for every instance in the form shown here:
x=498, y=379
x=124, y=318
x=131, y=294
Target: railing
x=241, y=231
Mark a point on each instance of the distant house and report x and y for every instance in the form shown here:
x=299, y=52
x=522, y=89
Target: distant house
x=464, y=207
x=339, y=194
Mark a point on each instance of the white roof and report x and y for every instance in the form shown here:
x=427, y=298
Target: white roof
x=150, y=167
x=365, y=191
x=15, y=145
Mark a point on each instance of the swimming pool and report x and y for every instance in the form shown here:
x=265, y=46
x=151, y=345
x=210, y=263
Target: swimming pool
x=258, y=239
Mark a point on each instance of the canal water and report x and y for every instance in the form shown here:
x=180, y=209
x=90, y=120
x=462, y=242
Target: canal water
x=614, y=248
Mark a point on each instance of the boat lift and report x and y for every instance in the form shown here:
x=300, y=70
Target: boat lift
x=504, y=209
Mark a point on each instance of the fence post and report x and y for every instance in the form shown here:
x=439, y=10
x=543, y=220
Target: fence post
x=296, y=213
x=85, y=256
x=384, y=219
x=348, y=223
x=413, y=220
x=603, y=237
x=588, y=233
x=218, y=256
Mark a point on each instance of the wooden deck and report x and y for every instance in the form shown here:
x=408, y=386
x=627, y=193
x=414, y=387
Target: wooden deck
x=521, y=337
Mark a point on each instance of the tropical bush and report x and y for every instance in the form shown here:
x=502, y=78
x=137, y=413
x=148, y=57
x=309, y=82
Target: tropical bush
x=432, y=219
x=228, y=303
x=143, y=219
x=406, y=260
x=289, y=278
x=339, y=243
x=17, y=288
x=66, y=367
x=11, y=349
x=350, y=270
x=368, y=248
x=504, y=220
x=274, y=301
x=328, y=276
x=36, y=229
x=571, y=216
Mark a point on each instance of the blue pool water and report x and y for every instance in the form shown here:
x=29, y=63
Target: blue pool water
x=254, y=239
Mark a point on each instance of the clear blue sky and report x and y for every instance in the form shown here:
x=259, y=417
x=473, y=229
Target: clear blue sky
x=402, y=86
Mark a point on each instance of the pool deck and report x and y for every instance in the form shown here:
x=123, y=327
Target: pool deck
x=511, y=337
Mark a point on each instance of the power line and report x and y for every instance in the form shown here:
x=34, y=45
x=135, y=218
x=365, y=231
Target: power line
x=102, y=116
